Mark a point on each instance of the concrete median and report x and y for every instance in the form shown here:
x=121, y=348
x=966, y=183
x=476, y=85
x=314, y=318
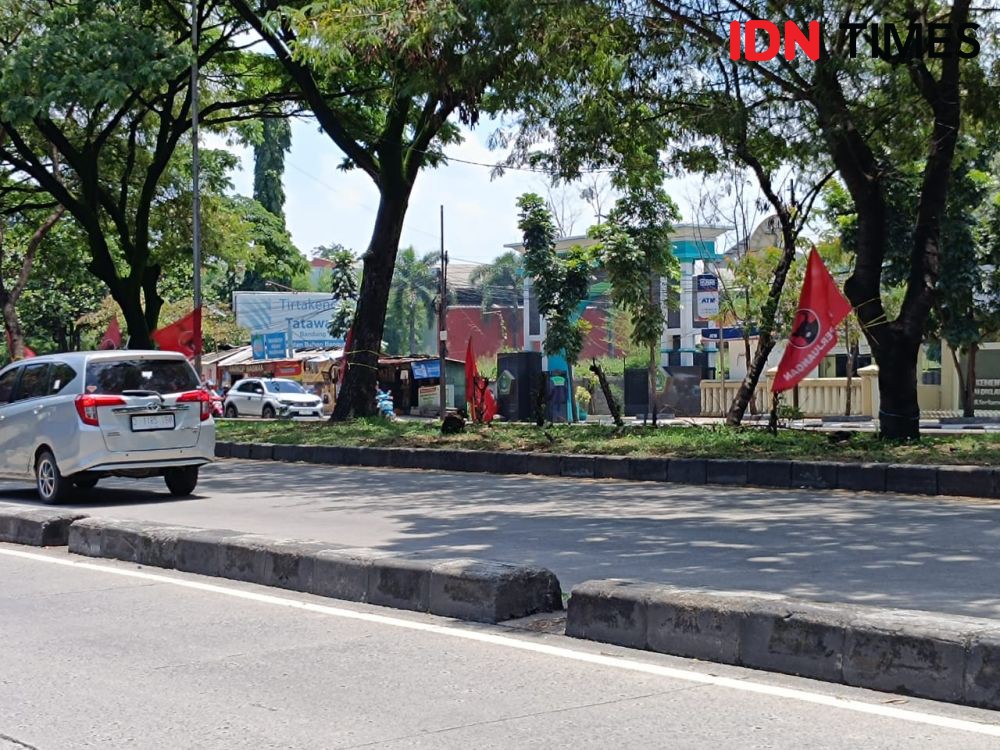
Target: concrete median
x=37, y=527
x=958, y=481
x=923, y=654
x=475, y=590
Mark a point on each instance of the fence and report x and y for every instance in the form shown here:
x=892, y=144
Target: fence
x=818, y=397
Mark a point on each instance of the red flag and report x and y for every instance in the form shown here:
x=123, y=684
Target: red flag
x=471, y=373
x=182, y=335
x=488, y=405
x=814, y=331
x=112, y=338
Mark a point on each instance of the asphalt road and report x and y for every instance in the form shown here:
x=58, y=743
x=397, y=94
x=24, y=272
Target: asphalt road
x=102, y=654
x=920, y=553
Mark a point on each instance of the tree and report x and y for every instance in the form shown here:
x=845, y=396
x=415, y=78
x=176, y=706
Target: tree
x=108, y=86
x=344, y=287
x=25, y=222
x=411, y=299
x=869, y=116
x=269, y=165
x=861, y=116
x=501, y=281
x=59, y=292
x=268, y=191
x=968, y=312
x=386, y=80
x=561, y=281
x=635, y=251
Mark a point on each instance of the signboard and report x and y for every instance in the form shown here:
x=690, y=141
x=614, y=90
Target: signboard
x=706, y=296
x=305, y=314
x=728, y=334
x=288, y=368
x=269, y=345
x=426, y=369
x=987, y=396
x=429, y=396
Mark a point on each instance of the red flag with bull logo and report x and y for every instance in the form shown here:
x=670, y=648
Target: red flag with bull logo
x=182, y=335
x=814, y=331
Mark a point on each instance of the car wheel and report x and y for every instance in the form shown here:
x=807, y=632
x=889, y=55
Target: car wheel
x=52, y=487
x=231, y=411
x=181, y=482
x=268, y=412
x=87, y=483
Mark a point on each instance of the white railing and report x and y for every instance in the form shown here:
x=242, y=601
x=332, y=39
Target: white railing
x=818, y=397
x=717, y=396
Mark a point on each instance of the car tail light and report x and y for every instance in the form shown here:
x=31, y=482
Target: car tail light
x=87, y=406
x=201, y=396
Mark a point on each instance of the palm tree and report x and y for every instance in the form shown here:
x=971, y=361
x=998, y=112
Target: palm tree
x=411, y=297
x=500, y=281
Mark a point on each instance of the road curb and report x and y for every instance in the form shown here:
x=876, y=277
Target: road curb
x=475, y=590
x=36, y=527
x=923, y=654
x=955, y=481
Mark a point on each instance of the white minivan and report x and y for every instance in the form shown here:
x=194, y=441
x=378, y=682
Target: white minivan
x=68, y=420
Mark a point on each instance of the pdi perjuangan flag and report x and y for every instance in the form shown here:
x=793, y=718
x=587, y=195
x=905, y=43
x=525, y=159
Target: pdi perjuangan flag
x=814, y=331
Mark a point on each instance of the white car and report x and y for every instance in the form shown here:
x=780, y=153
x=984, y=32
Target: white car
x=271, y=397
x=71, y=419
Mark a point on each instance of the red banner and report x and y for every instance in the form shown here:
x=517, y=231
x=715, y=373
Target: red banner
x=814, y=331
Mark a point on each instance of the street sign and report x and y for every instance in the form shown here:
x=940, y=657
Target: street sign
x=728, y=334
x=706, y=289
x=426, y=369
x=269, y=345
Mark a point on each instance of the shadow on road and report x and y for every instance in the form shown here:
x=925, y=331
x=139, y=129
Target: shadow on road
x=920, y=553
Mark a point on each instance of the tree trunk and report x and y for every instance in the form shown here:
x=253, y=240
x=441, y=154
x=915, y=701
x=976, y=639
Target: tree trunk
x=613, y=407
x=130, y=302
x=851, y=353
x=852, y=359
x=412, y=329
x=574, y=414
x=15, y=337
x=542, y=400
x=651, y=374
x=766, y=340
x=969, y=409
x=652, y=354
x=899, y=411
x=357, y=397
x=752, y=404
x=963, y=395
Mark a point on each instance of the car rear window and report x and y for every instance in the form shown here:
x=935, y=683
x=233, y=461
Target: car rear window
x=161, y=375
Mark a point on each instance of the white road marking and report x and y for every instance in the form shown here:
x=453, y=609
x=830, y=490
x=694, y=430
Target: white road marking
x=458, y=631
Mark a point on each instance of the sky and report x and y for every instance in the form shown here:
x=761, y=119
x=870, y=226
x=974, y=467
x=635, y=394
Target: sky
x=325, y=204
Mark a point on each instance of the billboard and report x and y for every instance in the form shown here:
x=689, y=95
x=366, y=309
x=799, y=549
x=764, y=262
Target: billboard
x=304, y=315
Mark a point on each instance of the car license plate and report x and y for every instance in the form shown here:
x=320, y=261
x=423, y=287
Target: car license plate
x=153, y=422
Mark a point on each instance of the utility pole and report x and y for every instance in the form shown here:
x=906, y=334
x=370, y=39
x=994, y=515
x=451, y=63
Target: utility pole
x=443, y=322
x=196, y=189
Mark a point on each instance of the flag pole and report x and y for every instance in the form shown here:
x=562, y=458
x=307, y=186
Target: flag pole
x=196, y=189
